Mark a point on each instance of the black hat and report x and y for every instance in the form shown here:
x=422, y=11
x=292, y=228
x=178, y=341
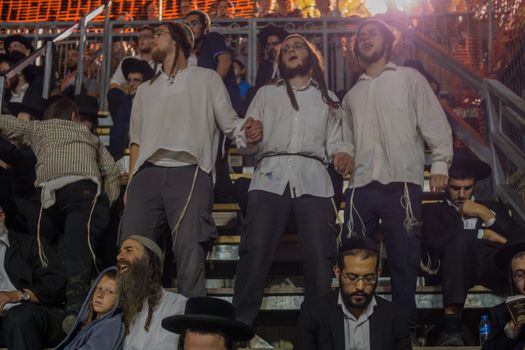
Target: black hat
x=271, y=29
x=32, y=103
x=506, y=252
x=134, y=65
x=358, y=242
x=212, y=313
x=466, y=165
x=19, y=38
x=87, y=106
x=13, y=58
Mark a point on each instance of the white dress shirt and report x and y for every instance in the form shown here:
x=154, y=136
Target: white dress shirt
x=315, y=130
x=390, y=117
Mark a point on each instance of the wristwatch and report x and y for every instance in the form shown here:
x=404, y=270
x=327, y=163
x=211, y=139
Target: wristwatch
x=24, y=296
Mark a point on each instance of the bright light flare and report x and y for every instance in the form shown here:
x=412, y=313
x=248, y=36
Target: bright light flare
x=375, y=6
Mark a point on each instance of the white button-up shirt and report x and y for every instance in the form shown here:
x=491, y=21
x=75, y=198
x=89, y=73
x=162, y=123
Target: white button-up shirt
x=357, y=330
x=315, y=130
x=183, y=115
x=390, y=117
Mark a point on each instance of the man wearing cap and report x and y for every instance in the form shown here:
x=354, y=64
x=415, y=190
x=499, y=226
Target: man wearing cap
x=144, y=302
x=175, y=123
x=30, y=295
x=463, y=233
x=18, y=43
x=352, y=316
x=391, y=112
x=507, y=334
x=120, y=99
x=208, y=323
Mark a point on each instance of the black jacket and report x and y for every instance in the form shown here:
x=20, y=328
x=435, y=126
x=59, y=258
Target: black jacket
x=24, y=269
x=321, y=326
x=497, y=338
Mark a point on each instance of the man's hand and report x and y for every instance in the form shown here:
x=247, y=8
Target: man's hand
x=253, y=129
x=5, y=166
x=123, y=179
x=512, y=330
x=493, y=236
x=438, y=182
x=471, y=208
x=343, y=163
x=8, y=298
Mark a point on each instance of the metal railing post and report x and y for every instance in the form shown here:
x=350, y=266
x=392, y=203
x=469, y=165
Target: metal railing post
x=2, y=81
x=48, y=67
x=106, y=53
x=81, y=54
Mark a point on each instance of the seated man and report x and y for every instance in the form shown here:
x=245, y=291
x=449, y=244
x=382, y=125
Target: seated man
x=505, y=333
x=30, y=294
x=352, y=317
x=208, y=323
x=144, y=302
x=463, y=234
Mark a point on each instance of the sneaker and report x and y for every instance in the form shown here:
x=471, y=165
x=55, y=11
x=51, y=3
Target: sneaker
x=450, y=338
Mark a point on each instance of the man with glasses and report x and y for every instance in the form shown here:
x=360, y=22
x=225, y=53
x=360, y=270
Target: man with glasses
x=352, y=316
x=270, y=39
x=463, y=233
x=506, y=333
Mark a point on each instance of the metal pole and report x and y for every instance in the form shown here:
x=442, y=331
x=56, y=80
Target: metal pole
x=2, y=81
x=48, y=69
x=489, y=45
x=106, y=66
x=252, y=50
x=81, y=53
x=160, y=10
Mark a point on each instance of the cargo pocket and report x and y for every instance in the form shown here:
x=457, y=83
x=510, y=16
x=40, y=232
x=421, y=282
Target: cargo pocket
x=208, y=230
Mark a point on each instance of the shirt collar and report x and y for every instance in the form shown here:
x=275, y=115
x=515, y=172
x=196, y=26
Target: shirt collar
x=389, y=66
x=311, y=82
x=365, y=315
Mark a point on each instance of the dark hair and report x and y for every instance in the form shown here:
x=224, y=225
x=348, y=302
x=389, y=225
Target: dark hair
x=183, y=37
x=387, y=34
x=317, y=66
x=62, y=108
x=112, y=275
x=362, y=253
x=229, y=342
x=146, y=27
x=203, y=18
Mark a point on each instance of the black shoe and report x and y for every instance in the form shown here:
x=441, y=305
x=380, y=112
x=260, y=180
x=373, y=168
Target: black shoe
x=450, y=338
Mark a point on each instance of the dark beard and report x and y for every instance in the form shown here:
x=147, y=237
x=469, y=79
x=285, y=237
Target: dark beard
x=158, y=55
x=347, y=298
x=374, y=58
x=300, y=71
x=133, y=289
x=145, y=51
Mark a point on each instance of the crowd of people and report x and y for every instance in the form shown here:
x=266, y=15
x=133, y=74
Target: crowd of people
x=70, y=206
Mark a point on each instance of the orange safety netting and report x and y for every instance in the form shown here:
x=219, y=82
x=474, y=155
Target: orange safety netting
x=73, y=10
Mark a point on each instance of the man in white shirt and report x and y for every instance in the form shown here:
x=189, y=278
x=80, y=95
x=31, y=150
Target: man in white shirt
x=174, y=130
x=303, y=132
x=144, y=302
x=391, y=112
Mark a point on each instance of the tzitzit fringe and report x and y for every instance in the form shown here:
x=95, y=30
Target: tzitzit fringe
x=175, y=230
x=410, y=219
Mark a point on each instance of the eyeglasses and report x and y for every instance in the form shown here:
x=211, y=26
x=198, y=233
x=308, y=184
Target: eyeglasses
x=518, y=275
x=159, y=32
x=353, y=279
x=297, y=46
x=459, y=188
x=103, y=291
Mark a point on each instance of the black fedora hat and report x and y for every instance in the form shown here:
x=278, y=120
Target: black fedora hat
x=506, y=252
x=18, y=38
x=87, y=106
x=466, y=165
x=12, y=58
x=211, y=313
x=271, y=29
x=134, y=65
x=32, y=103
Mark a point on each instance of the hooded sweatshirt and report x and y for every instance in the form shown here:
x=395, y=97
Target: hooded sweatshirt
x=106, y=333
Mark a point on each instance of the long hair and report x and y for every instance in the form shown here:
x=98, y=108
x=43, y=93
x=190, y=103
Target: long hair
x=183, y=37
x=92, y=314
x=317, y=71
x=388, y=36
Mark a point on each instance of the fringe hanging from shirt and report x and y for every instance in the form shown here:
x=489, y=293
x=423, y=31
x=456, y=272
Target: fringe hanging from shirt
x=183, y=212
x=339, y=224
x=89, y=233
x=410, y=219
x=350, y=223
x=41, y=254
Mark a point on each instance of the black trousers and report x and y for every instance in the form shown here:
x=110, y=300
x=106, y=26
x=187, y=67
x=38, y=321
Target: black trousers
x=30, y=327
x=267, y=217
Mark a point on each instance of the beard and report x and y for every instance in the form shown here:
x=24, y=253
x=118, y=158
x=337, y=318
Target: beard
x=301, y=70
x=145, y=51
x=158, y=55
x=132, y=289
x=374, y=57
x=348, y=298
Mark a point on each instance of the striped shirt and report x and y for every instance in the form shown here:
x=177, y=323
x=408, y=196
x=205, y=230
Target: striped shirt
x=64, y=148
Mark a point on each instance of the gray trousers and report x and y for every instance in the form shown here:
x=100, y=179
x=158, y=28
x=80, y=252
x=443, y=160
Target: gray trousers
x=267, y=217
x=156, y=198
